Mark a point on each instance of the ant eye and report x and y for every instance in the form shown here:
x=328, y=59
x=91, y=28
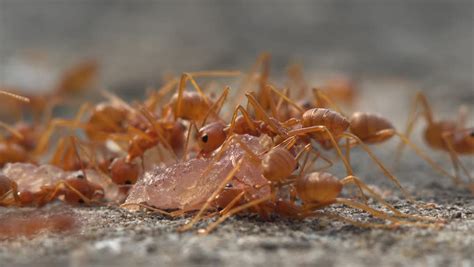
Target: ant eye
x=205, y=138
x=80, y=176
x=229, y=185
x=128, y=182
x=472, y=134
x=81, y=201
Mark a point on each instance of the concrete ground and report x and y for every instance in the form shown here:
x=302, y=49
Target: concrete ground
x=394, y=48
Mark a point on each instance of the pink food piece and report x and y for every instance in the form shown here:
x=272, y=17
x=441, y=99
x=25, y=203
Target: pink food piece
x=30, y=177
x=186, y=186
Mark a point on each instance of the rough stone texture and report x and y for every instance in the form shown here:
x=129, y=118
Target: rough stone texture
x=394, y=47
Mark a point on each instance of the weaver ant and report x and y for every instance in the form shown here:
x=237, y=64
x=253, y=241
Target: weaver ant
x=451, y=136
x=373, y=128
x=73, y=191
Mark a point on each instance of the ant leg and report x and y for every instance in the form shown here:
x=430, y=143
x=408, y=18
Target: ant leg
x=196, y=86
x=262, y=59
x=124, y=205
x=73, y=124
x=327, y=160
x=12, y=130
x=271, y=102
x=152, y=102
x=217, y=105
x=307, y=149
x=59, y=152
x=420, y=99
x=245, y=115
x=379, y=198
x=182, y=85
x=382, y=215
x=455, y=159
x=44, y=138
x=232, y=203
x=425, y=157
x=348, y=151
x=13, y=191
x=321, y=128
x=233, y=211
x=86, y=200
x=287, y=99
x=281, y=100
x=218, y=155
x=295, y=73
x=288, y=142
x=247, y=150
x=208, y=202
x=387, y=173
x=16, y=96
x=320, y=97
x=157, y=129
x=78, y=157
x=190, y=76
x=188, y=137
x=259, y=109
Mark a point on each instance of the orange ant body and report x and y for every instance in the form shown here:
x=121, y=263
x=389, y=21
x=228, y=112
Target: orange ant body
x=446, y=135
x=74, y=191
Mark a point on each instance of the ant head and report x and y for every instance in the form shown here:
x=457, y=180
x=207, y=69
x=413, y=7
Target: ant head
x=318, y=187
x=123, y=172
x=26, y=197
x=211, y=136
x=79, y=191
x=5, y=185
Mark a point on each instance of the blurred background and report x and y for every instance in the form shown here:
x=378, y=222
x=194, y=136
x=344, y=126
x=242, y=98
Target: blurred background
x=136, y=42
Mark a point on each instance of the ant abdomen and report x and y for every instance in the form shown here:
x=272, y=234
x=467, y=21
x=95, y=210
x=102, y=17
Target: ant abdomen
x=278, y=164
x=333, y=121
x=366, y=126
x=318, y=188
x=434, y=133
x=193, y=106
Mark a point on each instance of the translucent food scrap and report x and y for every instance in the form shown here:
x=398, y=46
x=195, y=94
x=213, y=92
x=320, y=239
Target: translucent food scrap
x=30, y=177
x=187, y=185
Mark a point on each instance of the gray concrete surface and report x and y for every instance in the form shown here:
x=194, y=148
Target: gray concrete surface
x=394, y=47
